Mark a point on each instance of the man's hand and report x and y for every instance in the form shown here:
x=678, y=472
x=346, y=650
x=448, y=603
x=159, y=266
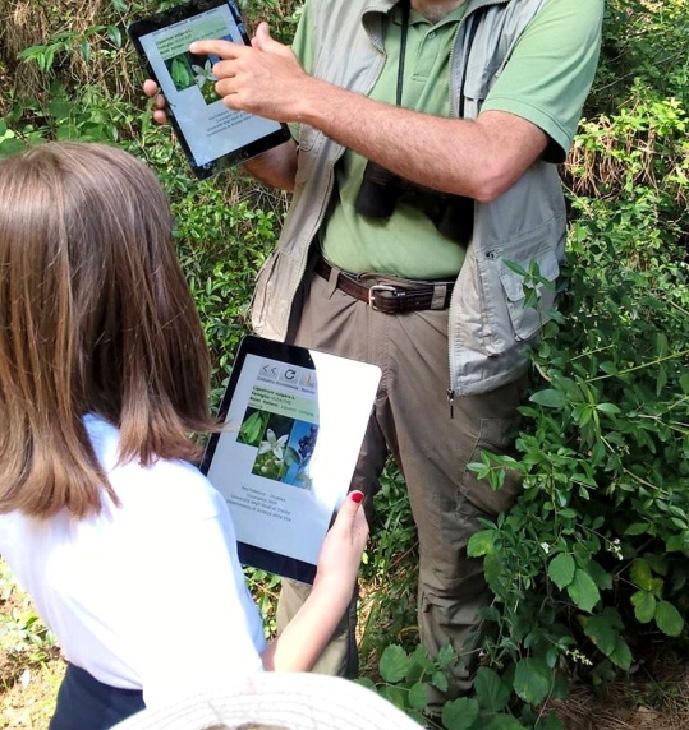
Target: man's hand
x=151, y=90
x=277, y=167
x=264, y=78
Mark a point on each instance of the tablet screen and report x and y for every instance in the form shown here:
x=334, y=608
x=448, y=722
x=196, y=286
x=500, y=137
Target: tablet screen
x=210, y=129
x=294, y=423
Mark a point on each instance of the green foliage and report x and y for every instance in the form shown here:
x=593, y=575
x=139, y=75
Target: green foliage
x=389, y=573
x=23, y=637
x=592, y=559
x=407, y=680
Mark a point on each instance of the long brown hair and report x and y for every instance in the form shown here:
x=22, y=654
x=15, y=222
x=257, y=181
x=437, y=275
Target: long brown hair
x=95, y=317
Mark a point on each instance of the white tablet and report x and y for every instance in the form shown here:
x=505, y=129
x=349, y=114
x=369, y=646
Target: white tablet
x=294, y=420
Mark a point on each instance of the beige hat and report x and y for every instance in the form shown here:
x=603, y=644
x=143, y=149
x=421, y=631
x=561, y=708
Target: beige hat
x=278, y=701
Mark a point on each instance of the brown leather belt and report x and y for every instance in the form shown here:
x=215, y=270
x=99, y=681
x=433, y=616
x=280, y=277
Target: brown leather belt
x=393, y=297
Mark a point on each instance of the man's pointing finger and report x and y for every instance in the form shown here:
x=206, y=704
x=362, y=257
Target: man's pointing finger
x=224, y=49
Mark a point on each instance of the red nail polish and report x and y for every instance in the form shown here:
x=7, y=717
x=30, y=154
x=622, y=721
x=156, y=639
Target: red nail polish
x=357, y=497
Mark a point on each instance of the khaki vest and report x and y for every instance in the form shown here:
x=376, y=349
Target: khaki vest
x=489, y=326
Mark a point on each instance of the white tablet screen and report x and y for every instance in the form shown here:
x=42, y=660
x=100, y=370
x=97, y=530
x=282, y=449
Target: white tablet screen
x=290, y=446
x=210, y=129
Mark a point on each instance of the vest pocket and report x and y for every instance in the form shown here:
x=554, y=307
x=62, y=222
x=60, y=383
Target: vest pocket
x=507, y=317
x=527, y=320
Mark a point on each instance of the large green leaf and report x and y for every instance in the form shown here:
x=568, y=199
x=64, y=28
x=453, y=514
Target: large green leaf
x=583, y=591
x=549, y=398
x=460, y=714
x=644, y=606
x=602, y=633
x=668, y=618
x=610, y=408
x=561, y=570
x=419, y=664
x=641, y=575
x=492, y=693
x=622, y=655
x=531, y=680
x=418, y=696
x=394, y=664
x=481, y=543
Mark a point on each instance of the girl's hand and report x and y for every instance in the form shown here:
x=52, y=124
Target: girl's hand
x=307, y=634
x=343, y=547
x=151, y=90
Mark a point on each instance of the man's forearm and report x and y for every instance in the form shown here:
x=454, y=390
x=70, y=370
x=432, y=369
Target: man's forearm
x=474, y=158
x=276, y=167
x=477, y=158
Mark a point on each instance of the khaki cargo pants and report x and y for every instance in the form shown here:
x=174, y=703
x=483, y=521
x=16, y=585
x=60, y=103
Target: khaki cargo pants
x=411, y=420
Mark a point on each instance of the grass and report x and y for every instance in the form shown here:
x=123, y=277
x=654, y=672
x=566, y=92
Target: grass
x=30, y=664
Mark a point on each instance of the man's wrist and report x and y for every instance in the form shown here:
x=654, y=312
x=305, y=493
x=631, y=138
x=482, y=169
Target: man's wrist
x=313, y=101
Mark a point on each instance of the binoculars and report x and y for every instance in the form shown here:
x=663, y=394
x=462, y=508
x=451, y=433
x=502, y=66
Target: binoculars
x=381, y=191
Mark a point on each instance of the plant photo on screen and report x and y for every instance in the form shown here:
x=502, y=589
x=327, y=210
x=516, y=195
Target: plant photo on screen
x=181, y=72
x=284, y=446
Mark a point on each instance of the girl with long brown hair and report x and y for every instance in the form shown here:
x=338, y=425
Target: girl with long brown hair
x=126, y=549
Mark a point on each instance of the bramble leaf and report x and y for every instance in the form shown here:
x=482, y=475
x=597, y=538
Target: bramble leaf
x=601, y=633
x=668, y=619
x=644, y=606
x=492, y=693
x=531, y=681
x=460, y=714
x=641, y=575
x=481, y=543
x=622, y=655
x=418, y=696
x=439, y=680
x=583, y=591
x=394, y=664
x=561, y=570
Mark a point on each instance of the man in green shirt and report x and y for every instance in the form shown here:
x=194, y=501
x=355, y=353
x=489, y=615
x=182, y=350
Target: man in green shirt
x=465, y=103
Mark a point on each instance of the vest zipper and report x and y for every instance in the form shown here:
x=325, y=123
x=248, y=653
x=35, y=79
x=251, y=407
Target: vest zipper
x=455, y=105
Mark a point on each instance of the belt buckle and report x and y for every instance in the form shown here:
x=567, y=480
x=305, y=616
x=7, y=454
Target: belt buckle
x=378, y=288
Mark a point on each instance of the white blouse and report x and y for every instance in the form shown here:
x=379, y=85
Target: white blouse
x=149, y=595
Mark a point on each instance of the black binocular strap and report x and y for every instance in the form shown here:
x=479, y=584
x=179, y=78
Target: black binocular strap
x=474, y=20
x=404, y=32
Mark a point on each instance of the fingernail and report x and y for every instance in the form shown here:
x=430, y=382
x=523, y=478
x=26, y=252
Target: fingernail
x=357, y=497
x=193, y=46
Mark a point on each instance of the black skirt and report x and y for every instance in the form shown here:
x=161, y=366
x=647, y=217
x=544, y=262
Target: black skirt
x=84, y=703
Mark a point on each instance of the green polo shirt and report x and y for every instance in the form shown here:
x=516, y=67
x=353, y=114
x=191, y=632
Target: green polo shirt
x=545, y=81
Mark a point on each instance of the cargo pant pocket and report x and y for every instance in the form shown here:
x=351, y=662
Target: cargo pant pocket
x=495, y=435
x=454, y=621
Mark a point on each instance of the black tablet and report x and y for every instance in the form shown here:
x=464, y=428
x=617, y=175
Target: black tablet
x=212, y=135
x=294, y=423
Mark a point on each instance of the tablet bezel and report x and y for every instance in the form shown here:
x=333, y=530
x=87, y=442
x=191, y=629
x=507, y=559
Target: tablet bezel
x=291, y=355
x=152, y=23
